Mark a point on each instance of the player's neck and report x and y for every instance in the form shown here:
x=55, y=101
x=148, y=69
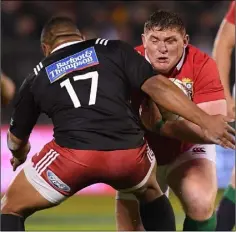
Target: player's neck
x=62, y=42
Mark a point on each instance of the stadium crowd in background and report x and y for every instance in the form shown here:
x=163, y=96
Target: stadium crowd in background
x=22, y=21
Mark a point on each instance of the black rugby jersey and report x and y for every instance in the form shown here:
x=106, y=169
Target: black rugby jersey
x=85, y=89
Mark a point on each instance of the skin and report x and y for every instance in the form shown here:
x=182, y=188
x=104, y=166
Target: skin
x=164, y=48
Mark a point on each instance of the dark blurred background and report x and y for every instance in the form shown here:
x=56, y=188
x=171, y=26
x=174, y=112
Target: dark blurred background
x=22, y=22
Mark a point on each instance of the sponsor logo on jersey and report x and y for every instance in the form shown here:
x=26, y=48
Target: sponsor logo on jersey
x=199, y=150
x=188, y=83
x=78, y=61
x=55, y=181
x=150, y=154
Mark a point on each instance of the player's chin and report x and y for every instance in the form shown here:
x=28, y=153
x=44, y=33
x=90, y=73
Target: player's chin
x=162, y=67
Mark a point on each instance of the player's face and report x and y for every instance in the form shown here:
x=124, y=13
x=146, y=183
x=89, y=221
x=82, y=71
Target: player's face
x=164, y=48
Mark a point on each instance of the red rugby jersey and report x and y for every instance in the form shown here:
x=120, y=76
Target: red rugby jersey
x=199, y=73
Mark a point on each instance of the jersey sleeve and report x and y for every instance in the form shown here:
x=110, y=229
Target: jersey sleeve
x=137, y=69
x=230, y=16
x=25, y=113
x=207, y=86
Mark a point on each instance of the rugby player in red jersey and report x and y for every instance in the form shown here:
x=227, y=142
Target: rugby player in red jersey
x=187, y=167
x=222, y=52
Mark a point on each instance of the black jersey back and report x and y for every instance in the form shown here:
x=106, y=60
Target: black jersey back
x=85, y=89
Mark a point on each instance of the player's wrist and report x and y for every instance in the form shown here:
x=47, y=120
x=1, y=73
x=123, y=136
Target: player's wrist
x=158, y=126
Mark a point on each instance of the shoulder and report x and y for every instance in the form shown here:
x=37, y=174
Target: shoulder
x=101, y=42
x=197, y=54
x=198, y=58
x=230, y=15
x=112, y=46
x=201, y=64
x=140, y=49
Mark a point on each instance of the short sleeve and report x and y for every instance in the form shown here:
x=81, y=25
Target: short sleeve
x=136, y=67
x=25, y=112
x=230, y=16
x=207, y=86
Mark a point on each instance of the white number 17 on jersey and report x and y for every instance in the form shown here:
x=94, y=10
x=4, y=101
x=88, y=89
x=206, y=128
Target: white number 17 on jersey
x=93, y=91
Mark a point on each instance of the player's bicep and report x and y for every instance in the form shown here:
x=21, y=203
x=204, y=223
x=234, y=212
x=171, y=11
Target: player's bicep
x=25, y=113
x=137, y=68
x=208, y=86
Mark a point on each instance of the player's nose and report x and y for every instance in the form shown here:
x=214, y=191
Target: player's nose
x=162, y=48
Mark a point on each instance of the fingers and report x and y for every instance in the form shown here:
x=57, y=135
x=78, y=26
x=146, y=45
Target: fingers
x=15, y=163
x=230, y=129
x=12, y=161
x=14, y=167
x=229, y=137
x=228, y=119
x=215, y=141
x=225, y=141
x=228, y=142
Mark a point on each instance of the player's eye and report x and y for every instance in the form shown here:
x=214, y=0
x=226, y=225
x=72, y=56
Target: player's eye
x=155, y=41
x=170, y=41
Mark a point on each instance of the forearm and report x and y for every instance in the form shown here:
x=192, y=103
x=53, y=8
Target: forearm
x=19, y=148
x=184, y=130
x=169, y=96
x=189, y=132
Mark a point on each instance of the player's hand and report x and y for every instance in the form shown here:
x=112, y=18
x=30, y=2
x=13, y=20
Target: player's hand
x=219, y=131
x=231, y=108
x=149, y=114
x=20, y=156
x=15, y=162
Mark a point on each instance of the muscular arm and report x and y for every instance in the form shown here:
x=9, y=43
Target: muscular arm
x=222, y=51
x=170, y=97
x=188, y=131
x=24, y=118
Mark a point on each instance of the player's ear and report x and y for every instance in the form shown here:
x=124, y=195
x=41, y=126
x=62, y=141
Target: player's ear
x=46, y=49
x=83, y=37
x=186, y=40
x=144, y=40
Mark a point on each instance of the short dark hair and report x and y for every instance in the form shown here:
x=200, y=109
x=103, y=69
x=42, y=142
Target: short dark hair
x=164, y=19
x=58, y=26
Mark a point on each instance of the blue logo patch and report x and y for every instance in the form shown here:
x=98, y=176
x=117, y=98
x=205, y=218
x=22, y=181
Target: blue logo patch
x=78, y=61
x=54, y=180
